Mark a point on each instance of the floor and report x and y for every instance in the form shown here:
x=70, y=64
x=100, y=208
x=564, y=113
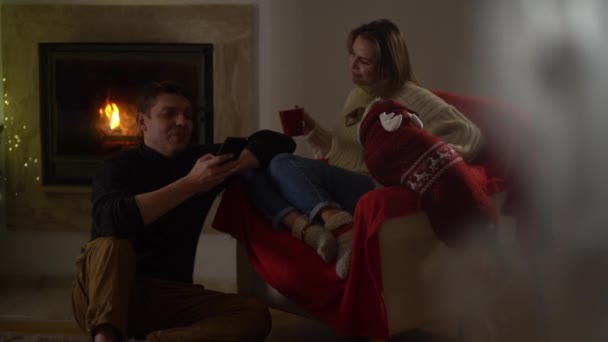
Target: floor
x=43, y=314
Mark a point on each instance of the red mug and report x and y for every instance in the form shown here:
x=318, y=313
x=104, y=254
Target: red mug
x=292, y=121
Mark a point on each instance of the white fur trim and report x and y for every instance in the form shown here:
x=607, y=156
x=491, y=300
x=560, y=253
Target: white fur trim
x=415, y=120
x=390, y=122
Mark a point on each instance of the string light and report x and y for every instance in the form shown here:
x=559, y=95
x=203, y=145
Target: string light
x=12, y=141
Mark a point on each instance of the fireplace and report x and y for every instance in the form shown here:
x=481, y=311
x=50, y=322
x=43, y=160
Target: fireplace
x=88, y=97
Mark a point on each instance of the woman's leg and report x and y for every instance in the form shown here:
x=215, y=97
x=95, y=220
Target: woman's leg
x=311, y=185
x=340, y=224
x=324, y=192
x=266, y=198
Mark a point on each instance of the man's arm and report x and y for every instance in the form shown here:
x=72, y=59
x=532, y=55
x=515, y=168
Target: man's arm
x=117, y=211
x=208, y=172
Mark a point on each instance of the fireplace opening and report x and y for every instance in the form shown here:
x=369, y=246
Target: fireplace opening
x=88, y=95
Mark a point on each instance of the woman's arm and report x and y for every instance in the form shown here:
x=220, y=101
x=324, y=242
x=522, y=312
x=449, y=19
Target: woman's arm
x=320, y=139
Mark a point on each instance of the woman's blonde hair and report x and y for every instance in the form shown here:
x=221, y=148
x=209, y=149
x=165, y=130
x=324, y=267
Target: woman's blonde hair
x=394, y=66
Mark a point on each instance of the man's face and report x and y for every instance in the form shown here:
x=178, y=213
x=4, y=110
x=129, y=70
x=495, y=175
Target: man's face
x=168, y=127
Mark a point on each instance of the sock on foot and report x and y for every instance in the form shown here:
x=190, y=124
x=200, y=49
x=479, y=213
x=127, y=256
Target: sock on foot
x=315, y=236
x=345, y=249
x=342, y=225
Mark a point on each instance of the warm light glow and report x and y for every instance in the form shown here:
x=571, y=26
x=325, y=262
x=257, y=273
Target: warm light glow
x=113, y=114
x=116, y=119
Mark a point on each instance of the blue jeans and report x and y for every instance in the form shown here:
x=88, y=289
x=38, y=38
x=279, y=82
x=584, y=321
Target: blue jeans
x=308, y=185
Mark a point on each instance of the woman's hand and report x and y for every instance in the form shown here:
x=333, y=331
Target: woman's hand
x=308, y=123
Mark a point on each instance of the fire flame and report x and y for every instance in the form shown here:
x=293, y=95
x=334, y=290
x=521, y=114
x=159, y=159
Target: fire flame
x=113, y=114
x=115, y=120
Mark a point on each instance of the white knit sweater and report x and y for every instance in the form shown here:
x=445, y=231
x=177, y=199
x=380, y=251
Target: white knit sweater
x=341, y=146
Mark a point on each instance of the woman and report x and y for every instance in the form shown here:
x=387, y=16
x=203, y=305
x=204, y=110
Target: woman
x=316, y=200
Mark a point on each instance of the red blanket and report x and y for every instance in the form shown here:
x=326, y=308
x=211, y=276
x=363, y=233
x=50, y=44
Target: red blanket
x=352, y=307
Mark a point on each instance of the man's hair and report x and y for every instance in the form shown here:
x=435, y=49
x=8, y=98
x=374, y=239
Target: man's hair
x=394, y=66
x=148, y=94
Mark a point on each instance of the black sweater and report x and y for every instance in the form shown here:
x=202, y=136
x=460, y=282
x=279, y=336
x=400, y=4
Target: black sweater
x=166, y=248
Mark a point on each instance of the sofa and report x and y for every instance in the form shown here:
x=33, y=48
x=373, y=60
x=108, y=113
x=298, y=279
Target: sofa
x=403, y=278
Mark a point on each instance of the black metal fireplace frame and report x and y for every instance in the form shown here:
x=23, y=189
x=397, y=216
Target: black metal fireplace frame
x=69, y=171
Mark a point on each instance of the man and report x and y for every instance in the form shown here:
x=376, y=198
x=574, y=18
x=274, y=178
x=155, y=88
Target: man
x=149, y=205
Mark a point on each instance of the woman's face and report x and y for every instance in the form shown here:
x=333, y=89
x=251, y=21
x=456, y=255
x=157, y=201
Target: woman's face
x=363, y=62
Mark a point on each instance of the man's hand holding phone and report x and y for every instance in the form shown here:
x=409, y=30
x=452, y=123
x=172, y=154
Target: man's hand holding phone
x=232, y=146
x=209, y=171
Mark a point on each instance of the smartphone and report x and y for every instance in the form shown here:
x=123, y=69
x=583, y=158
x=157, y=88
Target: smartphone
x=233, y=145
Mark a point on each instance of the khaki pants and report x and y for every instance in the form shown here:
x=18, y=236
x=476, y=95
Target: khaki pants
x=107, y=292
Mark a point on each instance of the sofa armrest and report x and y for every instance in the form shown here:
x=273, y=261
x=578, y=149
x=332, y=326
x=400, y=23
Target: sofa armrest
x=481, y=292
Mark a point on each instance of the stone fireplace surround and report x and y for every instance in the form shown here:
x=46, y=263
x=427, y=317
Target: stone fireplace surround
x=230, y=28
